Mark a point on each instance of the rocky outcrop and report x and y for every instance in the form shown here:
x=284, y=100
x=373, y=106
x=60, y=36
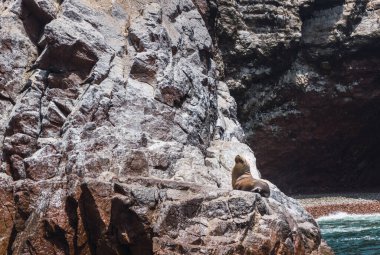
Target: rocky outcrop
x=147, y=216
x=118, y=137
x=305, y=78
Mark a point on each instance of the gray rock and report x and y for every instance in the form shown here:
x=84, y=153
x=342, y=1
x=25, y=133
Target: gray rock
x=118, y=136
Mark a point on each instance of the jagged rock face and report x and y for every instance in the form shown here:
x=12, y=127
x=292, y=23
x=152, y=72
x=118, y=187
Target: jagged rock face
x=147, y=216
x=118, y=137
x=106, y=94
x=305, y=78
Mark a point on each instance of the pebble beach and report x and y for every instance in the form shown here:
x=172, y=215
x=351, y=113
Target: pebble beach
x=354, y=203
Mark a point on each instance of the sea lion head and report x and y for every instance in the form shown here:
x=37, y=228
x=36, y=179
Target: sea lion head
x=241, y=160
x=241, y=167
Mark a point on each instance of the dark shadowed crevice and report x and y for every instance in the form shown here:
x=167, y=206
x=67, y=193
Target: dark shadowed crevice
x=30, y=247
x=307, y=10
x=356, y=16
x=57, y=236
x=206, y=58
x=78, y=58
x=41, y=116
x=7, y=98
x=11, y=240
x=71, y=208
x=92, y=221
x=325, y=4
x=34, y=20
x=144, y=70
x=209, y=11
x=162, y=168
x=127, y=230
x=117, y=188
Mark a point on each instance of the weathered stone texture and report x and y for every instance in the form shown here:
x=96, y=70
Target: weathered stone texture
x=305, y=78
x=118, y=136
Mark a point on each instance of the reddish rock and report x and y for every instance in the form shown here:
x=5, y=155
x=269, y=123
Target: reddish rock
x=355, y=208
x=7, y=220
x=118, y=135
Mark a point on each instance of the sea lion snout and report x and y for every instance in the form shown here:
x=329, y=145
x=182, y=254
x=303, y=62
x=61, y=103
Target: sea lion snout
x=257, y=190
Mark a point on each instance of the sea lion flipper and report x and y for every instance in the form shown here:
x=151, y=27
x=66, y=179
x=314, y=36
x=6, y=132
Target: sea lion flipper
x=257, y=190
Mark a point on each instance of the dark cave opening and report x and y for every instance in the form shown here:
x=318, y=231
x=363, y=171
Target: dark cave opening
x=319, y=135
x=335, y=154
x=333, y=143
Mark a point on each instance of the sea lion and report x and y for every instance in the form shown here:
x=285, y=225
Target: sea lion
x=243, y=180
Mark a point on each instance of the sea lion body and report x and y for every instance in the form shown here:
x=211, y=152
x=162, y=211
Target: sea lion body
x=243, y=180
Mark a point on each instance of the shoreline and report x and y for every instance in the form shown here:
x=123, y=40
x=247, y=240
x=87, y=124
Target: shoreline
x=354, y=203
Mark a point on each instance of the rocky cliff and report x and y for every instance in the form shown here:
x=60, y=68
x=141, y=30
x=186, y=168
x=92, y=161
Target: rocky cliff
x=305, y=75
x=118, y=130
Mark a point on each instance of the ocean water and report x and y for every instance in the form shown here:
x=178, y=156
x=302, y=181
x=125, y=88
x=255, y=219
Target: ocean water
x=352, y=234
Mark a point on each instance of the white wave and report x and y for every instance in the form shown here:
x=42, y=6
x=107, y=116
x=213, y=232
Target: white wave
x=367, y=238
x=347, y=216
x=345, y=230
x=333, y=216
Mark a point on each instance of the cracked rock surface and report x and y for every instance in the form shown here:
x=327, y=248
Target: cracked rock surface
x=118, y=136
x=305, y=78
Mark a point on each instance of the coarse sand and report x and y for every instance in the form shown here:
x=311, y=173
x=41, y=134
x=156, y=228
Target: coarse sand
x=325, y=204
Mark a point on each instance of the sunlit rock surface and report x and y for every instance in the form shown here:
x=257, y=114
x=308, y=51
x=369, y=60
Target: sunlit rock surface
x=118, y=136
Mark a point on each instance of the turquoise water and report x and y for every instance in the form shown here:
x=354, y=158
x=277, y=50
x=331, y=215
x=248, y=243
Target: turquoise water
x=350, y=234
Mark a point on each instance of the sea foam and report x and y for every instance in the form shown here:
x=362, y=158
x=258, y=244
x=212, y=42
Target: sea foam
x=348, y=216
x=351, y=234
